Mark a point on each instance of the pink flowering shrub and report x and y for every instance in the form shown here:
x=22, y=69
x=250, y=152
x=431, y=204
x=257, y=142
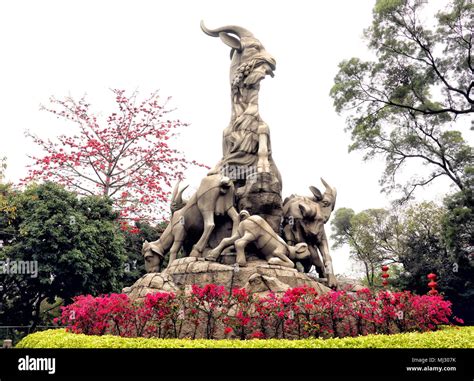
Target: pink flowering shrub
x=164, y=313
x=240, y=317
x=210, y=302
x=98, y=315
x=211, y=312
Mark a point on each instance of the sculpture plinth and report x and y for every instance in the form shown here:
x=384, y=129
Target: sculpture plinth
x=258, y=278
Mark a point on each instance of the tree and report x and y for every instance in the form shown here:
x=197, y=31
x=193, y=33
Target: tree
x=127, y=156
x=403, y=105
x=458, y=222
x=418, y=239
x=65, y=245
x=429, y=247
x=424, y=250
x=458, y=234
x=369, y=235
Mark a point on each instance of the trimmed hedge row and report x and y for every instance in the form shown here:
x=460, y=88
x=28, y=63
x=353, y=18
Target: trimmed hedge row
x=447, y=337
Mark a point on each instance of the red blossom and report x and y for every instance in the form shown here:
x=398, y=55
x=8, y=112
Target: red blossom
x=125, y=155
x=298, y=313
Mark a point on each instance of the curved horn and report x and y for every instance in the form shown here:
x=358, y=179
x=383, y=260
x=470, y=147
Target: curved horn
x=179, y=196
x=329, y=188
x=175, y=191
x=237, y=30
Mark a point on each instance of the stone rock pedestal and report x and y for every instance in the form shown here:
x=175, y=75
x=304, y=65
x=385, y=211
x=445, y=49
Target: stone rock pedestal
x=257, y=277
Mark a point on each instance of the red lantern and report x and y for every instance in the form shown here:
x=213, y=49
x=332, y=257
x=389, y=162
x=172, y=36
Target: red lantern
x=432, y=284
x=385, y=275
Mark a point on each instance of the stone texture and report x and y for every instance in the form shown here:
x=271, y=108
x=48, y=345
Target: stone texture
x=258, y=277
x=219, y=267
x=227, y=258
x=198, y=267
x=181, y=269
x=224, y=278
x=150, y=283
x=157, y=282
x=181, y=261
x=255, y=284
x=258, y=284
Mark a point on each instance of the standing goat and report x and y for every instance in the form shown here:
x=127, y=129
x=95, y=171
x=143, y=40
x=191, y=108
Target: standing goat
x=215, y=196
x=304, y=222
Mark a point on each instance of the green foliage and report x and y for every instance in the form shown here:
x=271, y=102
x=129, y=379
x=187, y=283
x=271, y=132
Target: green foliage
x=394, y=270
x=370, y=235
x=401, y=105
x=387, y=6
x=448, y=337
x=424, y=250
x=441, y=240
x=422, y=238
x=50, y=311
x=458, y=235
x=8, y=211
x=75, y=243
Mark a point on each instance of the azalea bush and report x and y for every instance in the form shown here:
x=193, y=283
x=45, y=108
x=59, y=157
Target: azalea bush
x=211, y=312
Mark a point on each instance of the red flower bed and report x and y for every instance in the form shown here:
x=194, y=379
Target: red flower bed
x=212, y=312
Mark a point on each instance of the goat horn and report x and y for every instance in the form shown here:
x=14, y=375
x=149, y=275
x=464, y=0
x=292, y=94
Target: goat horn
x=175, y=190
x=237, y=30
x=329, y=188
x=179, y=196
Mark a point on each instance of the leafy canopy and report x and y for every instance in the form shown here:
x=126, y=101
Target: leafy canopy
x=403, y=104
x=75, y=242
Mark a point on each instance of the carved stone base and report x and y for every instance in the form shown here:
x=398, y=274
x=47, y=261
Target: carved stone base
x=257, y=277
x=150, y=283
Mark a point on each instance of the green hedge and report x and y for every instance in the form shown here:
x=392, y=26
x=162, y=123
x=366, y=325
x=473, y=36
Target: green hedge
x=447, y=337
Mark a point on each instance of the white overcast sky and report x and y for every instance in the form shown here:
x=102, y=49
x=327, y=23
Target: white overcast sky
x=75, y=47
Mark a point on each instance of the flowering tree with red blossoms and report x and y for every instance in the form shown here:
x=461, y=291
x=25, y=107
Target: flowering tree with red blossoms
x=127, y=156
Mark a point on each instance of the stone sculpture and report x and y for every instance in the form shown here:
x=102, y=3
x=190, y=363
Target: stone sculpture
x=304, y=219
x=246, y=141
x=153, y=257
x=177, y=201
x=208, y=229
x=215, y=196
x=254, y=229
